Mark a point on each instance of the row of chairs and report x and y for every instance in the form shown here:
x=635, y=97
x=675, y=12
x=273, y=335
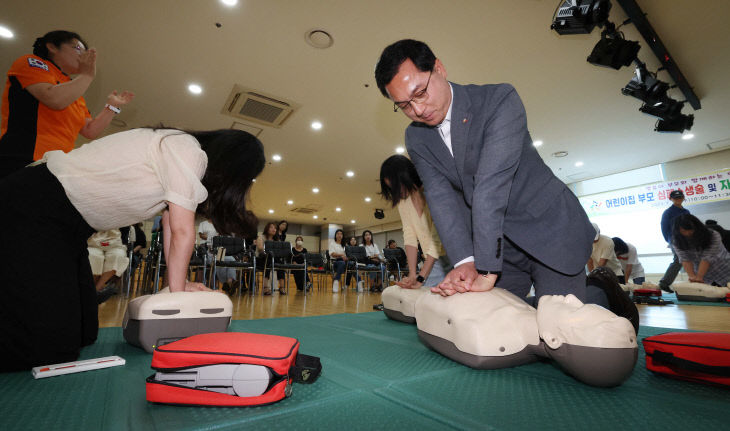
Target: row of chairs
x=278, y=257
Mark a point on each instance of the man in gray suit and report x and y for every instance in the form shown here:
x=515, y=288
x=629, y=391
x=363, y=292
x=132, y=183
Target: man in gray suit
x=502, y=215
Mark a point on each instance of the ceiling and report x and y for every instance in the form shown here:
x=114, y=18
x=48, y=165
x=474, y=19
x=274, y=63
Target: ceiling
x=156, y=48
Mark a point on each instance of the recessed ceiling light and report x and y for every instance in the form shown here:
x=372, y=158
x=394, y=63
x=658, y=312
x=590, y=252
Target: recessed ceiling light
x=290, y=202
x=578, y=164
x=537, y=143
x=367, y=199
x=271, y=211
x=315, y=216
x=229, y=2
x=350, y=174
x=276, y=157
x=6, y=33
x=560, y=154
x=315, y=190
x=338, y=209
x=352, y=221
x=316, y=125
x=687, y=136
x=400, y=150
x=195, y=88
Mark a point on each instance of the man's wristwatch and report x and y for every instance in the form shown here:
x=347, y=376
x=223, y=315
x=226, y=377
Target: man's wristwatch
x=420, y=278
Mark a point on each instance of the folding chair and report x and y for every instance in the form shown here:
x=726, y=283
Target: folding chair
x=393, y=258
x=236, y=247
x=316, y=265
x=359, y=255
x=281, y=255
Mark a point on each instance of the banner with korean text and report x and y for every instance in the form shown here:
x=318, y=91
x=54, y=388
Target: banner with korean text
x=699, y=189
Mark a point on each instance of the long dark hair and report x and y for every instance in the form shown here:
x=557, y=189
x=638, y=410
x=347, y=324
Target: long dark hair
x=265, y=233
x=56, y=37
x=364, y=243
x=701, y=237
x=235, y=159
x=342, y=241
x=281, y=236
x=403, y=178
x=619, y=246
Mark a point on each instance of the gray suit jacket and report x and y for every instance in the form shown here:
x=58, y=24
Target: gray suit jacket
x=497, y=185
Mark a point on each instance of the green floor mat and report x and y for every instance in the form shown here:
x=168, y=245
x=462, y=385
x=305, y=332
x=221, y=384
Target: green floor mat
x=376, y=375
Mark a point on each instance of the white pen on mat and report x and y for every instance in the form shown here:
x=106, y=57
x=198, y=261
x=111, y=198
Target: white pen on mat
x=77, y=366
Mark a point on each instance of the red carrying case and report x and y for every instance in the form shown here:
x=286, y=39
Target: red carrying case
x=696, y=356
x=647, y=292
x=228, y=369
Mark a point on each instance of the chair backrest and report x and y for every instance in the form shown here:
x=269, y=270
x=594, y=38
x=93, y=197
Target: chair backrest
x=315, y=260
x=394, y=255
x=356, y=252
x=233, y=245
x=278, y=249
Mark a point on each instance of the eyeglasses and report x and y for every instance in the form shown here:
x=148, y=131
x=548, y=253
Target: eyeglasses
x=418, y=97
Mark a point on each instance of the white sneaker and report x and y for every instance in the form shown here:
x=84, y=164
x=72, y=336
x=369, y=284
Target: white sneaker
x=360, y=285
x=335, y=286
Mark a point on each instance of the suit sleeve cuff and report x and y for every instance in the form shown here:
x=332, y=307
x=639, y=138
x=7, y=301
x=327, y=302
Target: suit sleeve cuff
x=463, y=261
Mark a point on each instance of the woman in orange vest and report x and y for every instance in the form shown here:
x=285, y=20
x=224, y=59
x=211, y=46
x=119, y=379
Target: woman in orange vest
x=43, y=108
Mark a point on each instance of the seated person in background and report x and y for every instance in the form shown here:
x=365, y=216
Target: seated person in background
x=352, y=242
x=401, y=185
x=298, y=253
x=227, y=276
x=603, y=254
x=133, y=236
x=265, y=261
x=627, y=257
x=375, y=260
x=108, y=259
x=337, y=255
x=700, y=251
x=402, y=258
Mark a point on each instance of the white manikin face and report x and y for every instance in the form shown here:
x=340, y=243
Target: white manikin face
x=494, y=323
x=566, y=320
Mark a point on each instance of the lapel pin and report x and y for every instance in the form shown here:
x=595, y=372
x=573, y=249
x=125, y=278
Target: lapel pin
x=464, y=120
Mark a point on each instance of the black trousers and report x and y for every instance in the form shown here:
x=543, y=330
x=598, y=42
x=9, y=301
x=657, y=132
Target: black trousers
x=48, y=309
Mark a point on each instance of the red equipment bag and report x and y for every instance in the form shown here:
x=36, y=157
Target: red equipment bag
x=228, y=369
x=695, y=356
x=647, y=292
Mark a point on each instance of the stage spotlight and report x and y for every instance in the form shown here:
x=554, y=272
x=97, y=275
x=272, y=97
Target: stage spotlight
x=580, y=16
x=613, y=50
x=677, y=124
x=645, y=87
x=665, y=109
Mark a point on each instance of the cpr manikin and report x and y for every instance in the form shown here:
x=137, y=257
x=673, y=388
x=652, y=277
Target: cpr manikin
x=496, y=329
x=400, y=304
x=690, y=291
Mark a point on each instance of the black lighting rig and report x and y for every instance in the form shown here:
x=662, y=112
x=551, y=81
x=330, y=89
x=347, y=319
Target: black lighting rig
x=614, y=51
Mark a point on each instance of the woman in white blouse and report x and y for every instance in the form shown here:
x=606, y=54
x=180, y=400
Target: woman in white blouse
x=401, y=185
x=115, y=181
x=338, y=258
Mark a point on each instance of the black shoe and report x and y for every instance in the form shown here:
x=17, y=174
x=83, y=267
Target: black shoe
x=105, y=293
x=618, y=300
x=378, y=307
x=665, y=288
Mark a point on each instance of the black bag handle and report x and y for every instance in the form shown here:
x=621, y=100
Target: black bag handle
x=306, y=369
x=670, y=359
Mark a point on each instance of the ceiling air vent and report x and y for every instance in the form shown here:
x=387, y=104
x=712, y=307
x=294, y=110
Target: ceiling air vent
x=256, y=106
x=304, y=210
